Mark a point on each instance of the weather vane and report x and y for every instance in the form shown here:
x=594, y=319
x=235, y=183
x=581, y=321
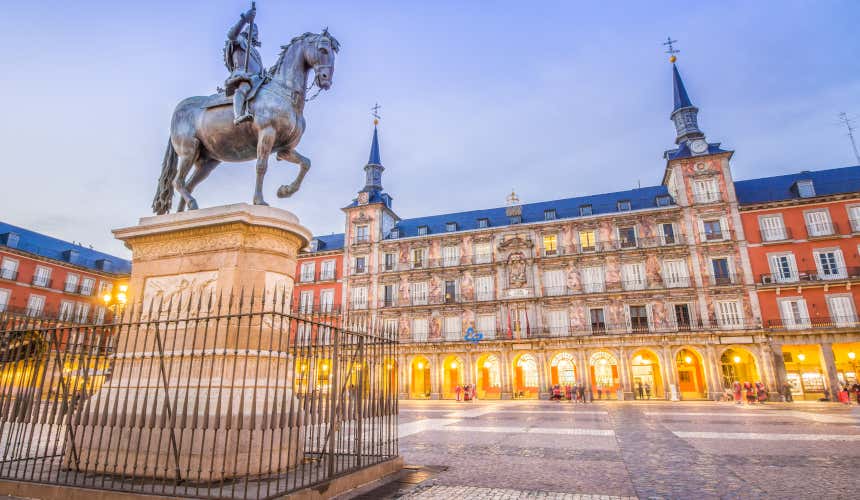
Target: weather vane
x=375, y=110
x=671, y=50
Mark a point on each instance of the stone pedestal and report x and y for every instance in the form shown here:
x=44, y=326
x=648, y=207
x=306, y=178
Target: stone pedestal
x=190, y=397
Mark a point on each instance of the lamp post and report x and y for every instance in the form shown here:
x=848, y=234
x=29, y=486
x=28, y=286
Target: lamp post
x=116, y=302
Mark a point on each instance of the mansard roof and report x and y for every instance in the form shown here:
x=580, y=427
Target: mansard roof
x=601, y=204
x=57, y=249
x=784, y=187
x=329, y=242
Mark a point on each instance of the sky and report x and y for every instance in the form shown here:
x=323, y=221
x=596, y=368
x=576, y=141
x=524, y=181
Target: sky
x=552, y=99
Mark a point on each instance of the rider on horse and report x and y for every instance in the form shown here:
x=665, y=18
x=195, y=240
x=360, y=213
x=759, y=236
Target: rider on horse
x=240, y=82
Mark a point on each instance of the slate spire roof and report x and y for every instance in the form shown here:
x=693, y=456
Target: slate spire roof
x=374, y=149
x=682, y=100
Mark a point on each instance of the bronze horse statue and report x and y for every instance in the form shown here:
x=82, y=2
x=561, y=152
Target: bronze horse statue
x=202, y=133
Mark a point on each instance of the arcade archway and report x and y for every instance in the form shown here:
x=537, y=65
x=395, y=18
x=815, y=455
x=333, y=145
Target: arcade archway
x=647, y=380
x=419, y=385
x=604, y=375
x=453, y=375
x=489, y=377
x=526, y=379
x=691, y=375
x=738, y=364
x=563, y=369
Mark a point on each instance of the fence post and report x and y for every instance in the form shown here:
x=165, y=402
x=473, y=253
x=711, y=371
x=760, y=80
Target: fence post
x=333, y=384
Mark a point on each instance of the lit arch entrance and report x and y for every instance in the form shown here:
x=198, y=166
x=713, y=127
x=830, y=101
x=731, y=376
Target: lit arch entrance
x=647, y=381
x=738, y=364
x=419, y=380
x=489, y=377
x=563, y=369
x=691, y=375
x=604, y=375
x=453, y=375
x=526, y=380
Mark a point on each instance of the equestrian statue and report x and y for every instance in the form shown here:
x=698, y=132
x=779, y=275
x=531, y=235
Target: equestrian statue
x=259, y=113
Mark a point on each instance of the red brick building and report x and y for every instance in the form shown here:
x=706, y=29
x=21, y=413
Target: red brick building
x=45, y=277
x=319, y=273
x=802, y=231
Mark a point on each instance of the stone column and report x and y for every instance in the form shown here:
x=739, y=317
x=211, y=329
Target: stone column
x=585, y=371
x=403, y=371
x=625, y=374
x=830, y=370
x=435, y=378
x=713, y=367
x=665, y=359
x=671, y=374
x=543, y=376
x=505, y=369
x=780, y=372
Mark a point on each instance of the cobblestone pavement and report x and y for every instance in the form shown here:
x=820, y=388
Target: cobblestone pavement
x=516, y=449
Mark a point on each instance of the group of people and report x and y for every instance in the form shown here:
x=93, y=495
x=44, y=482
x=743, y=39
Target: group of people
x=845, y=391
x=643, y=390
x=467, y=392
x=575, y=393
x=751, y=392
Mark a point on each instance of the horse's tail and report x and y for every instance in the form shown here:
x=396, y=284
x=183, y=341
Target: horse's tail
x=164, y=194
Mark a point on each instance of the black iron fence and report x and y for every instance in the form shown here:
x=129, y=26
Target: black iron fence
x=217, y=397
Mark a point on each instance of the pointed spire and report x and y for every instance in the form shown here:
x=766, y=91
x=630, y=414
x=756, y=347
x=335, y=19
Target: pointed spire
x=682, y=100
x=374, y=146
x=373, y=169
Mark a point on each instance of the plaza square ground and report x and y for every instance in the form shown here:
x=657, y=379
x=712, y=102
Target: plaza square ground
x=538, y=449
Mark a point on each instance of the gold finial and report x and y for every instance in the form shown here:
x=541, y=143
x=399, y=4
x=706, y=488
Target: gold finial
x=671, y=50
x=672, y=59
x=512, y=198
x=376, y=117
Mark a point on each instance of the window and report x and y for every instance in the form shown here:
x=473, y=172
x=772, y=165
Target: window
x=713, y=230
x=854, y=218
x=361, y=234
x=592, y=279
x=87, y=286
x=664, y=201
x=308, y=269
x=99, y=316
x=675, y=273
x=395, y=232
x=388, y=297
x=597, y=323
x=452, y=328
x=558, y=322
x=71, y=285
x=422, y=230
x=418, y=293
x=720, y=268
x=805, y=189
x=105, y=287
x=638, y=318
x=549, y=214
x=360, y=266
x=35, y=305
x=450, y=226
x=550, y=245
x=9, y=269
x=326, y=301
x=67, y=309
x=585, y=210
x=515, y=219
x=82, y=312
x=42, y=276
x=830, y=264
x=418, y=260
x=485, y=324
x=420, y=329
x=483, y=253
x=793, y=312
x=554, y=282
x=450, y=291
x=633, y=276
x=772, y=228
x=484, y=287
x=359, y=297
x=450, y=256
x=627, y=237
x=682, y=316
x=667, y=233
x=783, y=268
x=818, y=223
x=624, y=206
x=315, y=245
x=706, y=191
x=729, y=314
x=4, y=299
x=306, y=302
x=588, y=240
x=389, y=261
x=842, y=311
x=327, y=270
x=483, y=223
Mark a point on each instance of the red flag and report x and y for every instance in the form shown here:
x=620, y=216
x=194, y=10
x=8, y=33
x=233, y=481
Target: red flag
x=510, y=333
x=528, y=328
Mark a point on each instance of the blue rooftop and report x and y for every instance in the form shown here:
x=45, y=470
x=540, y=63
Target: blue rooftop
x=682, y=100
x=567, y=208
x=329, y=242
x=784, y=187
x=53, y=248
x=374, y=150
x=683, y=151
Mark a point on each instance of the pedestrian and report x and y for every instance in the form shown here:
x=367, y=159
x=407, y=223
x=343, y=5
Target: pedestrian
x=647, y=390
x=458, y=390
x=567, y=393
x=761, y=392
x=844, y=395
x=599, y=392
x=736, y=391
x=856, y=388
x=640, y=390
x=786, y=392
x=581, y=394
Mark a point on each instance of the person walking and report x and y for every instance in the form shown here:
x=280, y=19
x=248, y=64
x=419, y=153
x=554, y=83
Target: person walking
x=581, y=394
x=856, y=388
x=786, y=392
x=736, y=391
x=640, y=390
x=761, y=392
x=647, y=390
x=599, y=392
x=458, y=390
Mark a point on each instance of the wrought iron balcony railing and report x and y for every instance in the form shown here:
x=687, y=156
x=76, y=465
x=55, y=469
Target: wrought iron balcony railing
x=775, y=234
x=8, y=274
x=821, y=229
x=838, y=273
x=824, y=322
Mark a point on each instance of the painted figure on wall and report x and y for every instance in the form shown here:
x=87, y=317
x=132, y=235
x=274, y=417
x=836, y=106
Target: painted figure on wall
x=517, y=270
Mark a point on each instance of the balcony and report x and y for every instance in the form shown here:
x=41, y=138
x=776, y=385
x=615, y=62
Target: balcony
x=8, y=274
x=723, y=279
x=328, y=276
x=388, y=302
x=42, y=282
x=821, y=229
x=358, y=270
x=316, y=308
x=716, y=236
x=306, y=278
x=809, y=276
x=855, y=225
x=360, y=239
x=776, y=234
x=819, y=323
x=708, y=197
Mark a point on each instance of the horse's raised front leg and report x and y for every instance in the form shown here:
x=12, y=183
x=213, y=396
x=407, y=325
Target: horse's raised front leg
x=202, y=170
x=265, y=142
x=185, y=164
x=304, y=164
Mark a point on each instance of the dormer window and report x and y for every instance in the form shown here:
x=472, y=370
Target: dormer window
x=315, y=244
x=450, y=226
x=515, y=219
x=624, y=206
x=805, y=188
x=585, y=210
x=549, y=214
x=483, y=223
x=422, y=230
x=664, y=201
x=395, y=232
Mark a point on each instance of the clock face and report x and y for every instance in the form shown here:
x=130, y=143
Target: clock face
x=363, y=197
x=698, y=146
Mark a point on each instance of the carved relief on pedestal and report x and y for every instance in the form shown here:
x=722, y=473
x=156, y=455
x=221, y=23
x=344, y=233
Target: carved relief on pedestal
x=178, y=290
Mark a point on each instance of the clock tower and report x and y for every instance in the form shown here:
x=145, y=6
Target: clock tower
x=685, y=117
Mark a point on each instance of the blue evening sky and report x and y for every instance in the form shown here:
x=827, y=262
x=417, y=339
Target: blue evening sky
x=554, y=99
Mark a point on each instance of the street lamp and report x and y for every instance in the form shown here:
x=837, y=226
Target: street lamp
x=116, y=302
